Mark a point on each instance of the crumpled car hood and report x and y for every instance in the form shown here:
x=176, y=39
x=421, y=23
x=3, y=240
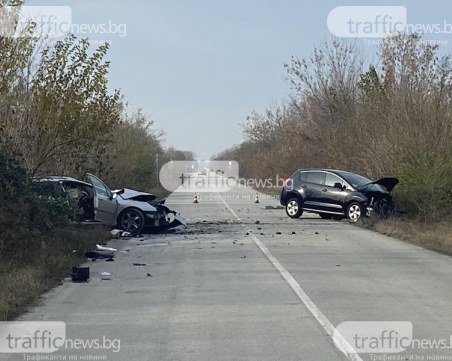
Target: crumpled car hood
x=127, y=193
x=388, y=182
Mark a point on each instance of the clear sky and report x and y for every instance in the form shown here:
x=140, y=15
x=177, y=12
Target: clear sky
x=197, y=68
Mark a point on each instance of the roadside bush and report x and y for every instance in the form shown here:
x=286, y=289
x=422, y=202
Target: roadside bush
x=51, y=207
x=425, y=187
x=27, y=211
x=38, y=244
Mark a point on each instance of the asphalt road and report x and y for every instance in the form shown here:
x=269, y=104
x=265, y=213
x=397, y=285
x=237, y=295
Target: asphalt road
x=244, y=282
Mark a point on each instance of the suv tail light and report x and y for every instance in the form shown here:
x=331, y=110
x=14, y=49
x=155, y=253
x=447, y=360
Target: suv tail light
x=286, y=182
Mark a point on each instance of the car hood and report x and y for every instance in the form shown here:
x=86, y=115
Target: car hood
x=388, y=182
x=131, y=194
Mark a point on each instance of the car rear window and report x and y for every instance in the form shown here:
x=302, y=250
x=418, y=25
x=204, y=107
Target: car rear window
x=315, y=177
x=303, y=176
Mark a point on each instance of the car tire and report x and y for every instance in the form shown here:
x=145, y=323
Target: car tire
x=131, y=220
x=354, y=212
x=294, y=208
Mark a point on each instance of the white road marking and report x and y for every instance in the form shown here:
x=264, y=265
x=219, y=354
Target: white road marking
x=338, y=339
x=340, y=342
x=230, y=209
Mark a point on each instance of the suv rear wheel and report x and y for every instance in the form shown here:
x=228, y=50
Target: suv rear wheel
x=294, y=208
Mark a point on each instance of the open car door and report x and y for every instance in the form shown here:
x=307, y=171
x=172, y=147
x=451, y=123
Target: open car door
x=105, y=203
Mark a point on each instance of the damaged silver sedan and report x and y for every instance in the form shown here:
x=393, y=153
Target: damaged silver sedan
x=127, y=209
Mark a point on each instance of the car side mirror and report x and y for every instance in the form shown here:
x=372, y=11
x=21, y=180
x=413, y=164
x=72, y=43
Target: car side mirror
x=339, y=186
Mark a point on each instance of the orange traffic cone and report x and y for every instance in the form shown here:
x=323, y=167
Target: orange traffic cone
x=256, y=198
x=195, y=198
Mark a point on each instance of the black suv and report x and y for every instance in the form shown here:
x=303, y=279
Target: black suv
x=336, y=194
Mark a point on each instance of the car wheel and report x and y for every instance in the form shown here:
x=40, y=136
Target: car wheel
x=131, y=220
x=354, y=211
x=294, y=208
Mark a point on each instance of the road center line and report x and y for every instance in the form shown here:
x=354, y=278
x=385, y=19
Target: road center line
x=338, y=339
x=229, y=208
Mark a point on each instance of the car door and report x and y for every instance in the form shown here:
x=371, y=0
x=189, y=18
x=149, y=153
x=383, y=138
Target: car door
x=332, y=198
x=313, y=185
x=105, y=203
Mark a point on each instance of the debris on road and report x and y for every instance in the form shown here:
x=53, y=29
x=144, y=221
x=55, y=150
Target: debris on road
x=105, y=276
x=119, y=233
x=95, y=255
x=80, y=274
x=148, y=275
x=274, y=207
x=103, y=248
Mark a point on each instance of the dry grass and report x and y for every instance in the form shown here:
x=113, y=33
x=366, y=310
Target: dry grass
x=22, y=284
x=436, y=236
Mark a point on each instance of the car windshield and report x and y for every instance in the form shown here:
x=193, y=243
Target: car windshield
x=355, y=180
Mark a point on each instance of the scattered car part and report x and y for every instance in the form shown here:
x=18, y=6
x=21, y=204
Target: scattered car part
x=103, y=248
x=105, y=276
x=80, y=274
x=95, y=255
